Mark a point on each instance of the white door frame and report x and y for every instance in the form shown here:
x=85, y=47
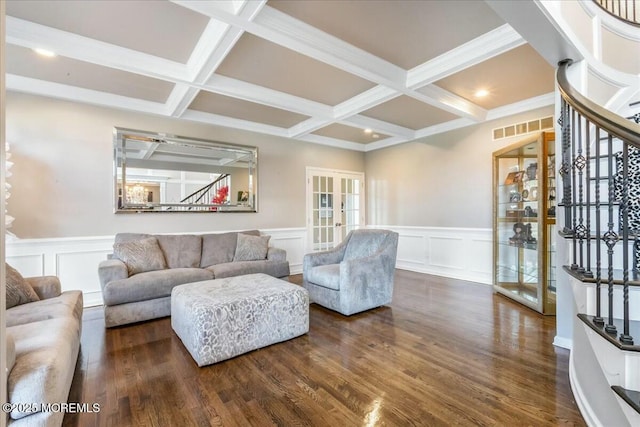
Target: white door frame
x=337, y=175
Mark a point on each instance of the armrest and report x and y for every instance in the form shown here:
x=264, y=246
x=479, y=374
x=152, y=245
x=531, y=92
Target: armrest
x=276, y=254
x=45, y=286
x=110, y=270
x=333, y=256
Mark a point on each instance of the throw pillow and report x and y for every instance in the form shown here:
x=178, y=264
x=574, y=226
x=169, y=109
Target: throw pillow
x=140, y=255
x=19, y=291
x=251, y=248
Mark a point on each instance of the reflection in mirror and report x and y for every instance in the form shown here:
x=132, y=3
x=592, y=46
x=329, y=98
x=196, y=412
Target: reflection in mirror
x=156, y=172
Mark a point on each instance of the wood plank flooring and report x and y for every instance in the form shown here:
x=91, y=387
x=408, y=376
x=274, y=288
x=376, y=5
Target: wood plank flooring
x=445, y=352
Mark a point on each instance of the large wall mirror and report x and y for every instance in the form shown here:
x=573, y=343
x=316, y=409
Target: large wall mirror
x=157, y=172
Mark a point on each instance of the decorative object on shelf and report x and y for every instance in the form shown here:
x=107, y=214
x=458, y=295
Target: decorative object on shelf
x=533, y=194
x=522, y=235
x=552, y=193
x=532, y=171
x=514, y=177
x=530, y=212
x=525, y=195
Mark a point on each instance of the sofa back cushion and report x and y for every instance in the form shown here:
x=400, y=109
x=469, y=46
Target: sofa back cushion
x=220, y=248
x=140, y=255
x=251, y=248
x=19, y=291
x=127, y=237
x=181, y=251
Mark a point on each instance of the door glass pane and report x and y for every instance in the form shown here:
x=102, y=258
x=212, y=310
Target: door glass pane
x=322, y=213
x=350, y=208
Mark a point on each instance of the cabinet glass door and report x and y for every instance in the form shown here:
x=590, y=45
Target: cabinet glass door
x=524, y=220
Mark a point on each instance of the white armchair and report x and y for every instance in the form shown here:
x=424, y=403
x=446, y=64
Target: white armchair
x=356, y=275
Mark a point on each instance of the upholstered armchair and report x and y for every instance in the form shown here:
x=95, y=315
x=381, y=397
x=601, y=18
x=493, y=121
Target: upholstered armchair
x=356, y=275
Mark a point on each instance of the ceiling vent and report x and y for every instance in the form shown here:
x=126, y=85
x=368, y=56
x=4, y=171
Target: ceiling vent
x=523, y=128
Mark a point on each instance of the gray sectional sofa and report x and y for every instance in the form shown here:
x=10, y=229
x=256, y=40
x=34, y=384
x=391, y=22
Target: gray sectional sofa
x=138, y=278
x=43, y=341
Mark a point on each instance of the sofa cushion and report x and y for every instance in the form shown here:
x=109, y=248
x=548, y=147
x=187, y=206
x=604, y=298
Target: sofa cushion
x=221, y=247
x=181, y=251
x=237, y=268
x=151, y=284
x=46, y=353
x=19, y=291
x=327, y=276
x=251, y=248
x=140, y=255
x=127, y=237
x=364, y=243
x=68, y=304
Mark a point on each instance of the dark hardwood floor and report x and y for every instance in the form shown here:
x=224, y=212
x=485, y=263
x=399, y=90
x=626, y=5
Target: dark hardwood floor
x=446, y=352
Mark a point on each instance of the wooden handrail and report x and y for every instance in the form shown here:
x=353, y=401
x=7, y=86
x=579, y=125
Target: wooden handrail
x=612, y=123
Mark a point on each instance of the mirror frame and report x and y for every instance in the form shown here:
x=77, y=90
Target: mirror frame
x=121, y=135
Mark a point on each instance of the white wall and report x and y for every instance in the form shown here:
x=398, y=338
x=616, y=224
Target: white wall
x=440, y=181
x=62, y=177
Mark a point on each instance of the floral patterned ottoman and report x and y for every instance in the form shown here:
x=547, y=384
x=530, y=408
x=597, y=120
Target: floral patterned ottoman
x=219, y=319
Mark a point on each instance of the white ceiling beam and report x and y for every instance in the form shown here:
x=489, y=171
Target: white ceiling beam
x=368, y=99
x=77, y=94
x=379, y=126
x=31, y=35
x=230, y=122
x=445, y=100
x=488, y=45
x=387, y=142
x=332, y=142
x=179, y=99
x=308, y=126
x=265, y=96
x=282, y=29
x=212, y=48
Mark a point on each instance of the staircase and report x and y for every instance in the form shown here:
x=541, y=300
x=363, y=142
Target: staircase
x=208, y=197
x=600, y=220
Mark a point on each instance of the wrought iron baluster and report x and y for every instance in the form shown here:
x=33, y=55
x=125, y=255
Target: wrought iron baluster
x=598, y=317
x=625, y=337
x=574, y=208
x=579, y=164
x=587, y=124
x=610, y=237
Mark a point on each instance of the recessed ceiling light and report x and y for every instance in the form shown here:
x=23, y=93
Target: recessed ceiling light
x=368, y=130
x=481, y=93
x=44, y=52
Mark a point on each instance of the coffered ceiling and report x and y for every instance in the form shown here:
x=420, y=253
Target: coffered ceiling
x=355, y=74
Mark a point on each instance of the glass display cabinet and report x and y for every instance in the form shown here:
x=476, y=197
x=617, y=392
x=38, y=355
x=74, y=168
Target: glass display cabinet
x=524, y=212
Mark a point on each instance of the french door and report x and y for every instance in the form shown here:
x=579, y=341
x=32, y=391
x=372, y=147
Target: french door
x=335, y=206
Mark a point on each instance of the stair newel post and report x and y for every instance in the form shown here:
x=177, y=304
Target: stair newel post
x=610, y=237
x=574, y=185
x=598, y=320
x=625, y=337
x=579, y=165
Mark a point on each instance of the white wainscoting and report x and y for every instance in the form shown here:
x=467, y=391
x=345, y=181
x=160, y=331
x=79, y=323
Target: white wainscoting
x=75, y=259
x=459, y=253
